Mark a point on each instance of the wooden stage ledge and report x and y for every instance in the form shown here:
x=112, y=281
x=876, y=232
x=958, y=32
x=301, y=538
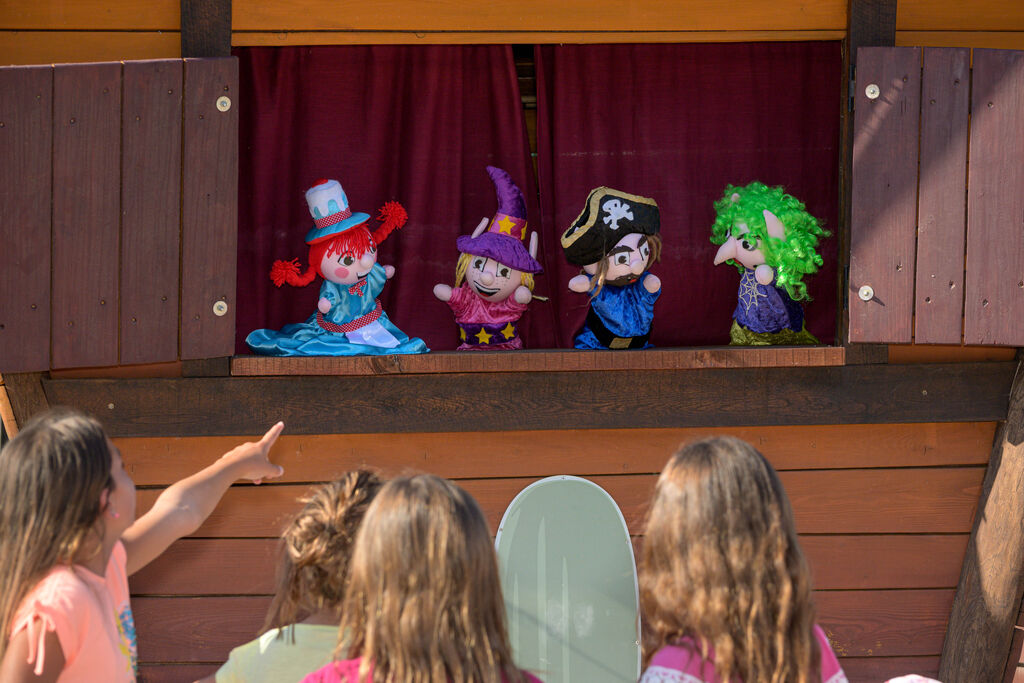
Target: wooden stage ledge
x=557, y=360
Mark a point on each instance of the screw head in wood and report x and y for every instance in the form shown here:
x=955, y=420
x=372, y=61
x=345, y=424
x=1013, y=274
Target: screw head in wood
x=866, y=293
x=872, y=91
x=223, y=103
x=220, y=308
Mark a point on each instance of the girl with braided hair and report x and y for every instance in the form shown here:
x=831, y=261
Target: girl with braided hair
x=301, y=628
x=725, y=591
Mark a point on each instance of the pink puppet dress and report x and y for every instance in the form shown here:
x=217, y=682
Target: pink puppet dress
x=498, y=271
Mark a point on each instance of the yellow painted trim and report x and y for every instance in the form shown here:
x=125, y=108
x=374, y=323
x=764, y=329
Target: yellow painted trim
x=1003, y=40
x=56, y=47
x=94, y=15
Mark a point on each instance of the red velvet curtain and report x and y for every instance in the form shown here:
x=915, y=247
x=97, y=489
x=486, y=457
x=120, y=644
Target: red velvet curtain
x=678, y=123
x=410, y=123
x=418, y=124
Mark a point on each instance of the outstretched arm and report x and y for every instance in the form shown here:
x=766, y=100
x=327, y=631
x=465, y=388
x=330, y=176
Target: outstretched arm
x=186, y=504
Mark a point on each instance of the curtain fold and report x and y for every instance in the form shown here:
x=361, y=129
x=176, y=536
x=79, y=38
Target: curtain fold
x=416, y=124
x=678, y=123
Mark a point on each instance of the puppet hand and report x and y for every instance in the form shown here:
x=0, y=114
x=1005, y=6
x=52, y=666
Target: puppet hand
x=443, y=292
x=523, y=295
x=250, y=460
x=580, y=283
x=324, y=305
x=652, y=283
x=389, y=272
x=764, y=274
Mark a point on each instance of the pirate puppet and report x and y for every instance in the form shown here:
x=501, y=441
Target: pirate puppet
x=615, y=239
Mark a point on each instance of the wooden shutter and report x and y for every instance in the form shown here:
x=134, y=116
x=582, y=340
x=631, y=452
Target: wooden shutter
x=121, y=179
x=937, y=231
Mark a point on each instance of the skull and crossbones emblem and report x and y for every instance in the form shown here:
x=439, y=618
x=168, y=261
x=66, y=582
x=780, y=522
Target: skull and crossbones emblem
x=616, y=209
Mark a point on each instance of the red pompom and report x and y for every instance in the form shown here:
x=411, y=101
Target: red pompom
x=392, y=216
x=280, y=271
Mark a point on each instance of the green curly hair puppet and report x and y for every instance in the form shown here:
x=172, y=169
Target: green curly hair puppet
x=792, y=256
x=769, y=236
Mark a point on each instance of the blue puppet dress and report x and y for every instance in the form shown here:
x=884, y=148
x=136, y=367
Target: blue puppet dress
x=619, y=318
x=354, y=326
x=767, y=315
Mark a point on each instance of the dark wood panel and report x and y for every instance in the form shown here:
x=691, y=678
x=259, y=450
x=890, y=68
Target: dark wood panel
x=875, y=669
x=220, y=566
x=536, y=360
x=994, y=302
x=200, y=566
x=885, y=561
x=556, y=400
x=209, y=231
x=26, y=143
x=883, y=204
x=859, y=623
x=150, y=210
x=884, y=623
x=86, y=207
x=195, y=629
x=206, y=28
x=918, y=500
x=942, y=209
x=175, y=673
x=162, y=461
x=25, y=392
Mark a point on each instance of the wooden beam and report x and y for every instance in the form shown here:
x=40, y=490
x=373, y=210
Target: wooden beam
x=205, y=28
x=517, y=401
x=992, y=579
x=25, y=392
x=870, y=23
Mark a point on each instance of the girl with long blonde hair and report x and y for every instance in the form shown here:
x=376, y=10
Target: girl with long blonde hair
x=301, y=629
x=70, y=540
x=724, y=587
x=423, y=602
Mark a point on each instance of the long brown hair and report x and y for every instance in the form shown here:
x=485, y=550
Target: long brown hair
x=52, y=475
x=315, y=548
x=424, y=599
x=722, y=566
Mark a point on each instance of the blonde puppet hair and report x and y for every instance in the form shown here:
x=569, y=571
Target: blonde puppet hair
x=463, y=264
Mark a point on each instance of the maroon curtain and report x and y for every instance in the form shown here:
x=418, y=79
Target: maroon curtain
x=678, y=123
x=409, y=123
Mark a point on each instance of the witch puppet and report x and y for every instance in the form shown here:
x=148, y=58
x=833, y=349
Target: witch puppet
x=349, y=320
x=772, y=240
x=494, y=273
x=615, y=239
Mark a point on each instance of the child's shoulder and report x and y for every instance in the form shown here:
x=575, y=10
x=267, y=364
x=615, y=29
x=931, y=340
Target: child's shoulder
x=680, y=662
x=60, y=588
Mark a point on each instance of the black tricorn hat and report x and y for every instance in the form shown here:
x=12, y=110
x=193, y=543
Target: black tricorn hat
x=608, y=216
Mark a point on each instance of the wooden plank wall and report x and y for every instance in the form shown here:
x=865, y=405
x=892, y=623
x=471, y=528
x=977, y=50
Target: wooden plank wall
x=92, y=163
x=884, y=513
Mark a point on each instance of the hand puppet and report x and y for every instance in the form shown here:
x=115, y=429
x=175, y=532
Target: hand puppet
x=494, y=273
x=615, y=239
x=349, y=320
x=772, y=240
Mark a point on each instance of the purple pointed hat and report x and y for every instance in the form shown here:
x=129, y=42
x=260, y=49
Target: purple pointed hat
x=503, y=240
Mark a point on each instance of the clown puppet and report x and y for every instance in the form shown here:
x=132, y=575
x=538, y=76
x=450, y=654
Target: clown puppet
x=494, y=273
x=615, y=239
x=349, y=320
x=772, y=240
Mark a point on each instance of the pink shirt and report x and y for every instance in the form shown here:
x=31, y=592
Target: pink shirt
x=683, y=664
x=347, y=671
x=92, y=618
x=469, y=307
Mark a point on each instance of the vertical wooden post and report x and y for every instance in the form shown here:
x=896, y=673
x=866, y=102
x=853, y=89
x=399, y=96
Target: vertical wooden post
x=205, y=28
x=992, y=579
x=870, y=23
